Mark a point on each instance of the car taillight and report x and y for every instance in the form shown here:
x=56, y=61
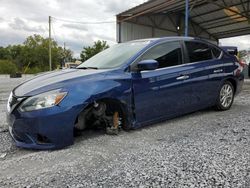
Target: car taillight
x=239, y=69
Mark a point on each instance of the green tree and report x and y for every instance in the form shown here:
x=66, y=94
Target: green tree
x=7, y=67
x=33, y=54
x=36, y=48
x=4, y=53
x=90, y=51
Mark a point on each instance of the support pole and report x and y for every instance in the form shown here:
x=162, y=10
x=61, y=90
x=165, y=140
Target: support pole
x=186, y=18
x=118, y=25
x=50, y=62
x=64, y=53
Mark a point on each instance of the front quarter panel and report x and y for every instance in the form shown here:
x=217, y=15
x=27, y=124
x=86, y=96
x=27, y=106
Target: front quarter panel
x=116, y=85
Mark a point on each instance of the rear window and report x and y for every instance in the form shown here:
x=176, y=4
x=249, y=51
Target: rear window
x=198, y=51
x=216, y=52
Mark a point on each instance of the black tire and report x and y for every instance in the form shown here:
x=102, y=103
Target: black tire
x=225, y=96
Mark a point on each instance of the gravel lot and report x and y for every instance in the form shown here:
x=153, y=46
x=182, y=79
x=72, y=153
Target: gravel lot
x=202, y=149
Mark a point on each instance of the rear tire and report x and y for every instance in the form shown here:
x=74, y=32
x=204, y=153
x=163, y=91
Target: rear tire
x=225, y=97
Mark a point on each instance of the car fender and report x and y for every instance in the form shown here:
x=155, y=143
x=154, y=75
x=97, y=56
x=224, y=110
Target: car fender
x=83, y=94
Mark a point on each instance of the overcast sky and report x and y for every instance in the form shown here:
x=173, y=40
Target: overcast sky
x=21, y=18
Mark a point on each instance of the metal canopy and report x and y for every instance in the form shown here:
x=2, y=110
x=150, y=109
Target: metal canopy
x=216, y=19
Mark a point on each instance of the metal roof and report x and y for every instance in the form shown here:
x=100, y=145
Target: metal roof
x=220, y=18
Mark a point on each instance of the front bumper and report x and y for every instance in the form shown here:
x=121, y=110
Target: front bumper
x=50, y=128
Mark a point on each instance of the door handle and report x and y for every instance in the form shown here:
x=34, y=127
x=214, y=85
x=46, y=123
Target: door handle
x=183, y=77
x=218, y=70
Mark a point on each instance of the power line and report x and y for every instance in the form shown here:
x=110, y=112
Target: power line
x=84, y=23
x=54, y=20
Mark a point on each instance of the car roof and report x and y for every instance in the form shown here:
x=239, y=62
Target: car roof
x=165, y=39
x=171, y=38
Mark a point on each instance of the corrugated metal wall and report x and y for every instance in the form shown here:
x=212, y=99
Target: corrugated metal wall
x=132, y=31
x=158, y=26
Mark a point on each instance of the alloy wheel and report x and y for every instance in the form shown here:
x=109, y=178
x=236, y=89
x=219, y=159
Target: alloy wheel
x=226, y=95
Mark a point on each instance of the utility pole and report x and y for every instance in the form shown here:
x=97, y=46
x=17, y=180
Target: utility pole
x=186, y=17
x=64, y=53
x=50, y=63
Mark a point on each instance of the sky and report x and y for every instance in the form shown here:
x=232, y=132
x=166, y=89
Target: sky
x=22, y=18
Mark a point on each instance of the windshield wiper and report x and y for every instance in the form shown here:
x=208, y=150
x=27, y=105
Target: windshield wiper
x=87, y=68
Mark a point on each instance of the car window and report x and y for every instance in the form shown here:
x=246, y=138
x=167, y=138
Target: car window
x=216, y=52
x=198, y=51
x=167, y=54
x=115, y=56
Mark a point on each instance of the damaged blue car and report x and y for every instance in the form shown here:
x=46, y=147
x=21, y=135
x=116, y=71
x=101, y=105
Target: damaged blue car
x=127, y=86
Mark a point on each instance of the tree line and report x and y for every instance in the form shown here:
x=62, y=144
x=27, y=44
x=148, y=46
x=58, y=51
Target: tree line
x=32, y=55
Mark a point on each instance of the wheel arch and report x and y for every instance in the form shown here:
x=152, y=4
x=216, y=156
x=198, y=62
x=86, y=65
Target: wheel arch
x=233, y=82
x=121, y=106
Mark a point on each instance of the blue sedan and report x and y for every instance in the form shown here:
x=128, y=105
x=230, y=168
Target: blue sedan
x=127, y=86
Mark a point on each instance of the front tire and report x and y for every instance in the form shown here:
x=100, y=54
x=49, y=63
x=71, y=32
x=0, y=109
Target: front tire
x=226, y=96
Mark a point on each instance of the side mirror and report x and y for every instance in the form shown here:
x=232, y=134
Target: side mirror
x=147, y=65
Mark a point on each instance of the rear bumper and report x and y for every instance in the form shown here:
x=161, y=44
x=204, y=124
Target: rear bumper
x=44, y=129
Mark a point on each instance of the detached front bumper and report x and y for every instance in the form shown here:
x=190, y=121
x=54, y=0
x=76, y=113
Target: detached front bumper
x=50, y=128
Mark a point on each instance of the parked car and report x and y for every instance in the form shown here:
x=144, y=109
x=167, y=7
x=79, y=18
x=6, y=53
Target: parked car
x=127, y=86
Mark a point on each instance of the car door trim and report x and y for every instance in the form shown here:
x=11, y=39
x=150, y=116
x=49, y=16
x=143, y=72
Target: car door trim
x=218, y=70
x=182, y=77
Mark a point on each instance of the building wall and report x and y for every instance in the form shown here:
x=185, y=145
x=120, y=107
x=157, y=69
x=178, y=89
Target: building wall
x=158, y=26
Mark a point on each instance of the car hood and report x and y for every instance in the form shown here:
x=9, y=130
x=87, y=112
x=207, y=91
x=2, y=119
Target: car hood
x=54, y=80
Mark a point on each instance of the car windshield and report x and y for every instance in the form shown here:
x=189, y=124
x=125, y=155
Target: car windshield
x=114, y=56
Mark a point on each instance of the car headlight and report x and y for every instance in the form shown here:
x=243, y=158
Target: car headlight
x=9, y=101
x=44, y=100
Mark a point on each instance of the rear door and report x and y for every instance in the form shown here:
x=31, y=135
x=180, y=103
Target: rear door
x=205, y=71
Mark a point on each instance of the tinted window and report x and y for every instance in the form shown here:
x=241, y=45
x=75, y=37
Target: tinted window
x=167, y=54
x=198, y=51
x=216, y=52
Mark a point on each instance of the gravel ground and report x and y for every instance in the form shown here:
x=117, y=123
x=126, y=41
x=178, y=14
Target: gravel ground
x=202, y=149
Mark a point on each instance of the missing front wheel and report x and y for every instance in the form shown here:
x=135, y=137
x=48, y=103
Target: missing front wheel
x=101, y=115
